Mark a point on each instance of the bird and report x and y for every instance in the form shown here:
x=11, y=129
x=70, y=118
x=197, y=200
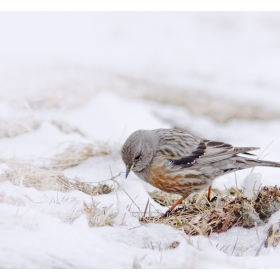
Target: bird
x=176, y=161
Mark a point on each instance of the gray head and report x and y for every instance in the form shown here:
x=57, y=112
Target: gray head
x=139, y=149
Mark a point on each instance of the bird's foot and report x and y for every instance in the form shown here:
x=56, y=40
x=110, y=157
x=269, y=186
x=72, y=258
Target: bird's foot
x=213, y=199
x=166, y=214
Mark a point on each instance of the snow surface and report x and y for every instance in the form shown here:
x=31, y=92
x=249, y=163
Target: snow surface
x=234, y=55
x=229, y=53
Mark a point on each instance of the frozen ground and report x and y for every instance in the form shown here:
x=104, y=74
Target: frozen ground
x=56, y=74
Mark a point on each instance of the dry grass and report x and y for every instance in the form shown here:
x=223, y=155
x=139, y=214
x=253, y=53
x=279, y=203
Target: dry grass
x=65, y=127
x=165, y=199
x=11, y=199
x=97, y=217
x=42, y=179
x=64, y=216
x=199, y=102
x=76, y=153
x=273, y=236
x=199, y=216
x=67, y=86
x=67, y=216
x=18, y=126
x=267, y=202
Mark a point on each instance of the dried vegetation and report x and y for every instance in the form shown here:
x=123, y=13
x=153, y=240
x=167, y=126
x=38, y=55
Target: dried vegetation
x=273, y=236
x=17, y=126
x=97, y=217
x=72, y=85
x=199, y=216
x=43, y=179
x=76, y=153
x=199, y=102
x=12, y=200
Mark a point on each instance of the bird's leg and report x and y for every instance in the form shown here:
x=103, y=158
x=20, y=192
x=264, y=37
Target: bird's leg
x=174, y=205
x=209, y=193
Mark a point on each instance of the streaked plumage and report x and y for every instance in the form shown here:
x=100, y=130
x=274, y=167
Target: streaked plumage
x=178, y=162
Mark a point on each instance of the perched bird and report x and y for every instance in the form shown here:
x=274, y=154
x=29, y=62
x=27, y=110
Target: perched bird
x=177, y=162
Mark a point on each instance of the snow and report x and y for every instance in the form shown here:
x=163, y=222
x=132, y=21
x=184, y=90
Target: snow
x=251, y=184
x=36, y=144
x=233, y=55
x=228, y=53
x=117, y=120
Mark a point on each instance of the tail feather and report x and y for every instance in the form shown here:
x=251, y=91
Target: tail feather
x=244, y=150
x=255, y=162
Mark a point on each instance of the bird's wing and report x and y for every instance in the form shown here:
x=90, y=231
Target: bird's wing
x=185, y=149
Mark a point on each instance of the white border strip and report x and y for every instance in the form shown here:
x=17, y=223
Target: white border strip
x=139, y=5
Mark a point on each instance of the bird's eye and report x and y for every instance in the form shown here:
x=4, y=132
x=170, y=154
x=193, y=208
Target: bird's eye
x=137, y=158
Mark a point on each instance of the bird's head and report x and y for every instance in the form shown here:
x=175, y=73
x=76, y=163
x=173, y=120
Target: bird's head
x=139, y=149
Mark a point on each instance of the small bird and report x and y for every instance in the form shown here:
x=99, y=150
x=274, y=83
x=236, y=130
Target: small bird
x=178, y=162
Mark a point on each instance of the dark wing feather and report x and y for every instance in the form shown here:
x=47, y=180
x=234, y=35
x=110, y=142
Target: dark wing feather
x=211, y=151
x=190, y=160
x=185, y=150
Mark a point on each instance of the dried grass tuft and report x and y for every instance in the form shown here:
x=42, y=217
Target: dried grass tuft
x=267, y=202
x=77, y=153
x=99, y=189
x=165, y=199
x=174, y=245
x=199, y=216
x=67, y=216
x=97, y=217
x=273, y=236
x=18, y=126
x=65, y=127
x=4, y=198
x=43, y=179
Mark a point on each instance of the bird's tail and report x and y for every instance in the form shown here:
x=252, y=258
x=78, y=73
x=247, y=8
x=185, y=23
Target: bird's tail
x=256, y=162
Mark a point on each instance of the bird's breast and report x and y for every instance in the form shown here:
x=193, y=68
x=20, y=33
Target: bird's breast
x=175, y=180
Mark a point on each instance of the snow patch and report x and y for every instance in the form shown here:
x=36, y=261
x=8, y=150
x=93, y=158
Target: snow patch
x=251, y=184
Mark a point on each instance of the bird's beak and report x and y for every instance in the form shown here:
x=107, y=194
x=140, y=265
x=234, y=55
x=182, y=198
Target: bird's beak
x=128, y=169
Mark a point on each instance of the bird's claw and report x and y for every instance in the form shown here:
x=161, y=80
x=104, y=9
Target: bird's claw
x=166, y=214
x=213, y=199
